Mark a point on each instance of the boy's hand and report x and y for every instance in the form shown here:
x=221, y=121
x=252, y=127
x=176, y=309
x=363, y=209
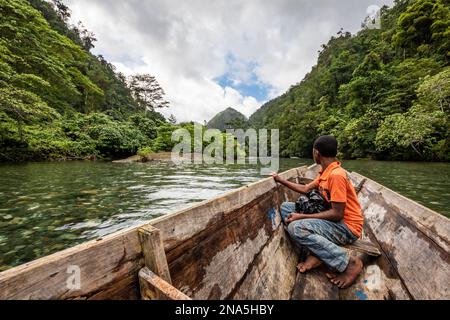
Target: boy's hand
x=276, y=177
x=295, y=216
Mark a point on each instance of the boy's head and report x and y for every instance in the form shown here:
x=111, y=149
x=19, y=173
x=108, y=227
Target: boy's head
x=324, y=147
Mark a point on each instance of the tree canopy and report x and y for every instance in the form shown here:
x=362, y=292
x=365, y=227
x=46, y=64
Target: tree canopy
x=57, y=99
x=384, y=93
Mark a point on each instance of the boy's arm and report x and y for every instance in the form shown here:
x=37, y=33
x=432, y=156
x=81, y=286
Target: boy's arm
x=338, y=198
x=300, y=188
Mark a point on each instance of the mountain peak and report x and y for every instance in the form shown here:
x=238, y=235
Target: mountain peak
x=223, y=119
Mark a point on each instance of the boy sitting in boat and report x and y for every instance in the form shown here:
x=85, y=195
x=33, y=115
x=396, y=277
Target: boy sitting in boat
x=323, y=233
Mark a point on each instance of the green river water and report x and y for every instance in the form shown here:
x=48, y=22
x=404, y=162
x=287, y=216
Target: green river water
x=47, y=207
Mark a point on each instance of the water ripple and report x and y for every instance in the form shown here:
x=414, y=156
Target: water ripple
x=46, y=207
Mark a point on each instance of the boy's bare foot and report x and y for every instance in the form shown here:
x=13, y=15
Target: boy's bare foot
x=348, y=277
x=311, y=262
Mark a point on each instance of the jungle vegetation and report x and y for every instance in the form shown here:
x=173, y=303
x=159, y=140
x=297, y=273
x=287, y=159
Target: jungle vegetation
x=384, y=92
x=58, y=100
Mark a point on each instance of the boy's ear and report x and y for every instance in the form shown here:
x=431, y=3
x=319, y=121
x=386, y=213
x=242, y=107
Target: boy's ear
x=316, y=152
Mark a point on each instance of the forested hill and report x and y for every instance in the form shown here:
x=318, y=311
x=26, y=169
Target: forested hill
x=227, y=119
x=57, y=100
x=384, y=93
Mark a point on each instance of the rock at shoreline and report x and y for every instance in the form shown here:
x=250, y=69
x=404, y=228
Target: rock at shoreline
x=160, y=156
x=164, y=157
x=129, y=160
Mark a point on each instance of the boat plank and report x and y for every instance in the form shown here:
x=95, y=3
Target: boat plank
x=364, y=246
x=313, y=285
x=394, y=284
x=117, y=258
x=156, y=288
x=231, y=242
x=433, y=224
x=233, y=238
x=153, y=251
x=101, y=263
x=419, y=255
x=125, y=289
x=372, y=283
x=184, y=224
x=272, y=274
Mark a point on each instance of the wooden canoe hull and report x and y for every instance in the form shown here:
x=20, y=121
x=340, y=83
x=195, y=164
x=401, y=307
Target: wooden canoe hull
x=235, y=247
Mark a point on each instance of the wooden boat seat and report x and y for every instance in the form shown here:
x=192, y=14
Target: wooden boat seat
x=364, y=246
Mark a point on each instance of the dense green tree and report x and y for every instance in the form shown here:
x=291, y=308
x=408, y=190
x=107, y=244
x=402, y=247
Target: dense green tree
x=147, y=92
x=434, y=92
x=382, y=92
x=424, y=28
x=57, y=100
x=423, y=129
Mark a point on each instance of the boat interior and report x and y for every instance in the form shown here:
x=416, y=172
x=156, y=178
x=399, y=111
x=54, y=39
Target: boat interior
x=235, y=247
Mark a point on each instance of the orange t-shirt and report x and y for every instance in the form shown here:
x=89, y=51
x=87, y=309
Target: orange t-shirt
x=336, y=187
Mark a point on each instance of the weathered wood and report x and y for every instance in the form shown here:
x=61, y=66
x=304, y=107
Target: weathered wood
x=360, y=185
x=312, y=171
x=103, y=264
x=232, y=240
x=156, y=288
x=184, y=224
x=433, y=224
x=303, y=180
x=153, y=251
x=365, y=246
x=313, y=285
x=372, y=283
x=234, y=247
x=109, y=266
x=406, y=233
x=271, y=275
x=394, y=285
x=126, y=288
x=230, y=243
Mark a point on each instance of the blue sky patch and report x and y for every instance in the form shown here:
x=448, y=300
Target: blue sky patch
x=241, y=76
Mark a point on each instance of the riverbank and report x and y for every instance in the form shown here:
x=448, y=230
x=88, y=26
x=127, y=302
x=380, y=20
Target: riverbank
x=156, y=156
x=160, y=157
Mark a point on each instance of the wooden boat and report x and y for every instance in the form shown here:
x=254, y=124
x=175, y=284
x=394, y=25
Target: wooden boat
x=235, y=247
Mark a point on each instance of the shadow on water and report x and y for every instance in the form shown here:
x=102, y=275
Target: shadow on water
x=46, y=207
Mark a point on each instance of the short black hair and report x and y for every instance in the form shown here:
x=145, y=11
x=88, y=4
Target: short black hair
x=327, y=146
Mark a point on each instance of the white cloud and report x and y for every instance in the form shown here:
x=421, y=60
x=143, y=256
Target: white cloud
x=186, y=44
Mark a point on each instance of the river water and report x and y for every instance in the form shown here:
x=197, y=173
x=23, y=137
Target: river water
x=47, y=207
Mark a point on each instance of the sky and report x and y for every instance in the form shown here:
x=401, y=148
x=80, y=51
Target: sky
x=209, y=55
